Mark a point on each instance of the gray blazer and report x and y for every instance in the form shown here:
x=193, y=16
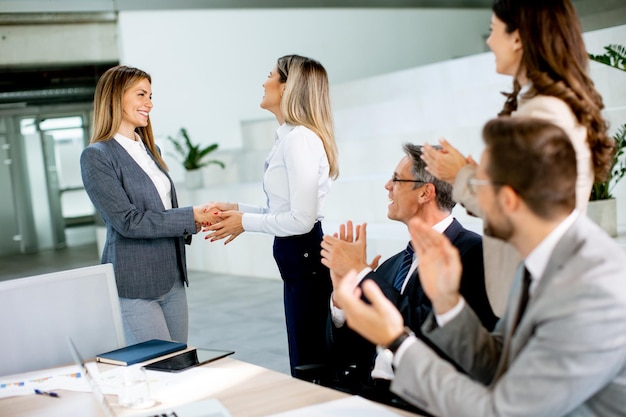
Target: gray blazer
x=567, y=357
x=144, y=242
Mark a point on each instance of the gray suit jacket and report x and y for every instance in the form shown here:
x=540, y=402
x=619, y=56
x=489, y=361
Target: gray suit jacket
x=144, y=242
x=567, y=357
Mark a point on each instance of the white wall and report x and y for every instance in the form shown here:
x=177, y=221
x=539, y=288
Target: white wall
x=208, y=65
x=374, y=116
x=450, y=99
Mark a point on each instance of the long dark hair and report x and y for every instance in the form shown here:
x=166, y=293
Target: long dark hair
x=556, y=63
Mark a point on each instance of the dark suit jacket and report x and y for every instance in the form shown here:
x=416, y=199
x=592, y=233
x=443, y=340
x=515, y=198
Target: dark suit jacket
x=413, y=303
x=349, y=348
x=144, y=242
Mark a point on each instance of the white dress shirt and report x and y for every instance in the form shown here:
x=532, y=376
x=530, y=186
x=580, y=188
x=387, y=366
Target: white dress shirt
x=296, y=183
x=137, y=150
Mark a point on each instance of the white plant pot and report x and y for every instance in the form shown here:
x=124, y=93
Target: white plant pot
x=604, y=213
x=193, y=179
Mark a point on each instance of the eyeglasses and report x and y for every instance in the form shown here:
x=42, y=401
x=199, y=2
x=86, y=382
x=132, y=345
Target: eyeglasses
x=395, y=179
x=474, y=183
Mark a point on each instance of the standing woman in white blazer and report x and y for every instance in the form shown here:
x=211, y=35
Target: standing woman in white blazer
x=540, y=45
x=298, y=173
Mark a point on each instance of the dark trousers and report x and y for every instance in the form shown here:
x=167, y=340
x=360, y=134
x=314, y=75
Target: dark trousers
x=307, y=288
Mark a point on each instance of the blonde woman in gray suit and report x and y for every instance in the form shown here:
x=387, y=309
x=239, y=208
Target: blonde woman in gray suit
x=127, y=181
x=540, y=45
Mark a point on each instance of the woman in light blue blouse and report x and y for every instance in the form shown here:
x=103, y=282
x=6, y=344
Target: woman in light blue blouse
x=298, y=173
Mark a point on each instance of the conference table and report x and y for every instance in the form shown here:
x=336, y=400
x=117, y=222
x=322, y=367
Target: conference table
x=245, y=390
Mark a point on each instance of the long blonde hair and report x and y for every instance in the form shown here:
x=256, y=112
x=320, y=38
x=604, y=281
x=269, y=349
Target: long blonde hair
x=306, y=101
x=107, y=107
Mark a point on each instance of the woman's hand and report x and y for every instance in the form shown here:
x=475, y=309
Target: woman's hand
x=204, y=217
x=444, y=163
x=230, y=226
x=220, y=206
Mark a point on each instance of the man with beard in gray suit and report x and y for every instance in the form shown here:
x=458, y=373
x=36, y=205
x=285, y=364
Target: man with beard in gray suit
x=560, y=348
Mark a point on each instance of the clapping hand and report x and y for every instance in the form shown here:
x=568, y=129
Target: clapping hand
x=347, y=249
x=444, y=163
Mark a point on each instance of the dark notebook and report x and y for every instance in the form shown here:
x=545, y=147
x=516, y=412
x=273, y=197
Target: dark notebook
x=140, y=352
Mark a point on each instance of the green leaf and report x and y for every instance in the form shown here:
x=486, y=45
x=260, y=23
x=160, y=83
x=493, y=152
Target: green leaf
x=615, y=56
x=603, y=190
x=191, y=155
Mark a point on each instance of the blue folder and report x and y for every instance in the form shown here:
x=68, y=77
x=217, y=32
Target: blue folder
x=140, y=352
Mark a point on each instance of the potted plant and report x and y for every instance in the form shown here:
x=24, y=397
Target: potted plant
x=602, y=206
x=603, y=190
x=193, y=157
x=615, y=56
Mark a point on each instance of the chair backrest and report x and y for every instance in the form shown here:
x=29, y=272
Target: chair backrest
x=39, y=313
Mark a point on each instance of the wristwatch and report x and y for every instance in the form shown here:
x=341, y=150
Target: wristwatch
x=395, y=344
x=393, y=347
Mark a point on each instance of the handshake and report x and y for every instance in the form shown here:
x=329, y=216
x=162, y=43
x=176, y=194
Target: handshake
x=222, y=220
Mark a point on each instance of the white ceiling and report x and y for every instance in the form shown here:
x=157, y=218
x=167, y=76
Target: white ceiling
x=594, y=14
x=38, y=6
x=43, y=6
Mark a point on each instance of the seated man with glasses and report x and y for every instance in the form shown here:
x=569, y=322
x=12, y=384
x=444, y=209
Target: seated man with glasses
x=413, y=193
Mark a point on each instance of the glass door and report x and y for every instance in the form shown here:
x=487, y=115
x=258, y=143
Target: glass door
x=62, y=140
x=48, y=186
x=10, y=237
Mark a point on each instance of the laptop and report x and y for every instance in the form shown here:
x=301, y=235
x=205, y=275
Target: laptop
x=203, y=408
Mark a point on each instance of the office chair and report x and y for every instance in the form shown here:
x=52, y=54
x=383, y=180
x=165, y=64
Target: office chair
x=40, y=312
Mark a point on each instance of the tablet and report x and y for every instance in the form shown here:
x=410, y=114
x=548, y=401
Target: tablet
x=188, y=359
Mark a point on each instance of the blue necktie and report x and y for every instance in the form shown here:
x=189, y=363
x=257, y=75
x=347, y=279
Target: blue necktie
x=404, y=268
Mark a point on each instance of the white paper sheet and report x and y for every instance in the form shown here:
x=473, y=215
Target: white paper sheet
x=354, y=406
x=66, y=377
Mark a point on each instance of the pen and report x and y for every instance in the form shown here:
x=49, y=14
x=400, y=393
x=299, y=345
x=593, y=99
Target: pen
x=48, y=393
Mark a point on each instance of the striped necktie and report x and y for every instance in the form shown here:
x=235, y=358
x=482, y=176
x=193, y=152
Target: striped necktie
x=407, y=260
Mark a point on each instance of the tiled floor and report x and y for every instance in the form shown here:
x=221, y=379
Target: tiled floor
x=226, y=312
x=239, y=313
